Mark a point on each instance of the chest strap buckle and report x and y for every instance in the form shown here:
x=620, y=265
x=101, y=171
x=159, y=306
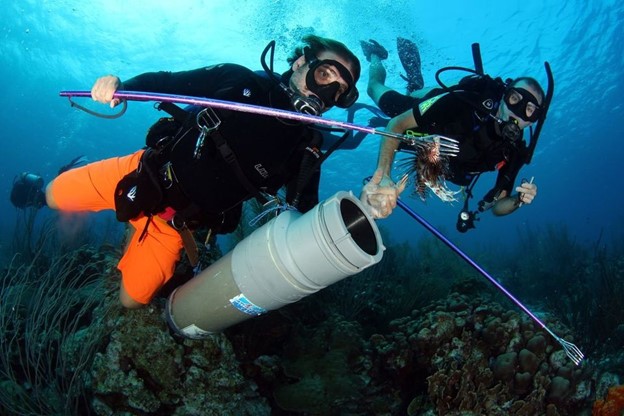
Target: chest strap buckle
x=207, y=121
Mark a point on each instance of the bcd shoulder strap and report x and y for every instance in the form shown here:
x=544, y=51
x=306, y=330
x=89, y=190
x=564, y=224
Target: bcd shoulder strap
x=229, y=156
x=183, y=116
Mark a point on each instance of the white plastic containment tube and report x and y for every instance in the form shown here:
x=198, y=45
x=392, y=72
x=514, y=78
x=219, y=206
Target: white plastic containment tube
x=290, y=257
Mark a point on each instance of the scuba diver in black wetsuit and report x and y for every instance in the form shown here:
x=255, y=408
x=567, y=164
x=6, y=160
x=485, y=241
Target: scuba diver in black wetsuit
x=27, y=190
x=202, y=164
x=487, y=116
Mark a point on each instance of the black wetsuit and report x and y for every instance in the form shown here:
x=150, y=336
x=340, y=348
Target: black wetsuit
x=482, y=149
x=393, y=103
x=268, y=150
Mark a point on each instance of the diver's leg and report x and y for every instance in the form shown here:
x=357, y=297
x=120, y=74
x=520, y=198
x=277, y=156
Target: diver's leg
x=376, y=79
x=90, y=187
x=149, y=263
x=375, y=53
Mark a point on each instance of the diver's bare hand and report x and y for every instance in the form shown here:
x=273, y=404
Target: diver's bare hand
x=380, y=194
x=526, y=192
x=104, y=88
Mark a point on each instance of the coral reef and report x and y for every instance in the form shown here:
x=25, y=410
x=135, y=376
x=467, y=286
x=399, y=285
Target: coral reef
x=413, y=337
x=323, y=369
x=388, y=290
x=68, y=347
x=327, y=368
x=582, y=284
x=145, y=370
x=478, y=357
x=465, y=353
x=51, y=313
x=612, y=405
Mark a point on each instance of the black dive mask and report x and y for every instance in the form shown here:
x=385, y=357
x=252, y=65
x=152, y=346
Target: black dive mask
x=322, y=80
x=523, y=104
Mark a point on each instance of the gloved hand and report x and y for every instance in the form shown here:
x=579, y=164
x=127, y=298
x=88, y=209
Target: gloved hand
x=526, y=192
x=380, y=194
x=104, y=88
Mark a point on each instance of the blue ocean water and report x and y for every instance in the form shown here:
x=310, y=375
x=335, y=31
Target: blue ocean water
x=50, y=46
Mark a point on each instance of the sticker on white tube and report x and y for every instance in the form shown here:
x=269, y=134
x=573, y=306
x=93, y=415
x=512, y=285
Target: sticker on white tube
x=244, y=305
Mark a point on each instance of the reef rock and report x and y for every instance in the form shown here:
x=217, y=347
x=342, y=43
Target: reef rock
x=144, y=370
x=494, y=362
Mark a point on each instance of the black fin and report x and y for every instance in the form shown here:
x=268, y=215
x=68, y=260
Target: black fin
x=373, y=47
x=410, y=59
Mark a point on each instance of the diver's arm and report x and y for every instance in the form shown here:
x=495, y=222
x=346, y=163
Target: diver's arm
x=162, y=81
x=508, y=204
x=389, y=146
x=104, y=88
x=380, y=194
x=196, y=82
x=505, y=205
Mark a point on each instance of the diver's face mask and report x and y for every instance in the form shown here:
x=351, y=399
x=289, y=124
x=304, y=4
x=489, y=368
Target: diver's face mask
x=521, y=108
x=330, y=81
x=522, y=104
